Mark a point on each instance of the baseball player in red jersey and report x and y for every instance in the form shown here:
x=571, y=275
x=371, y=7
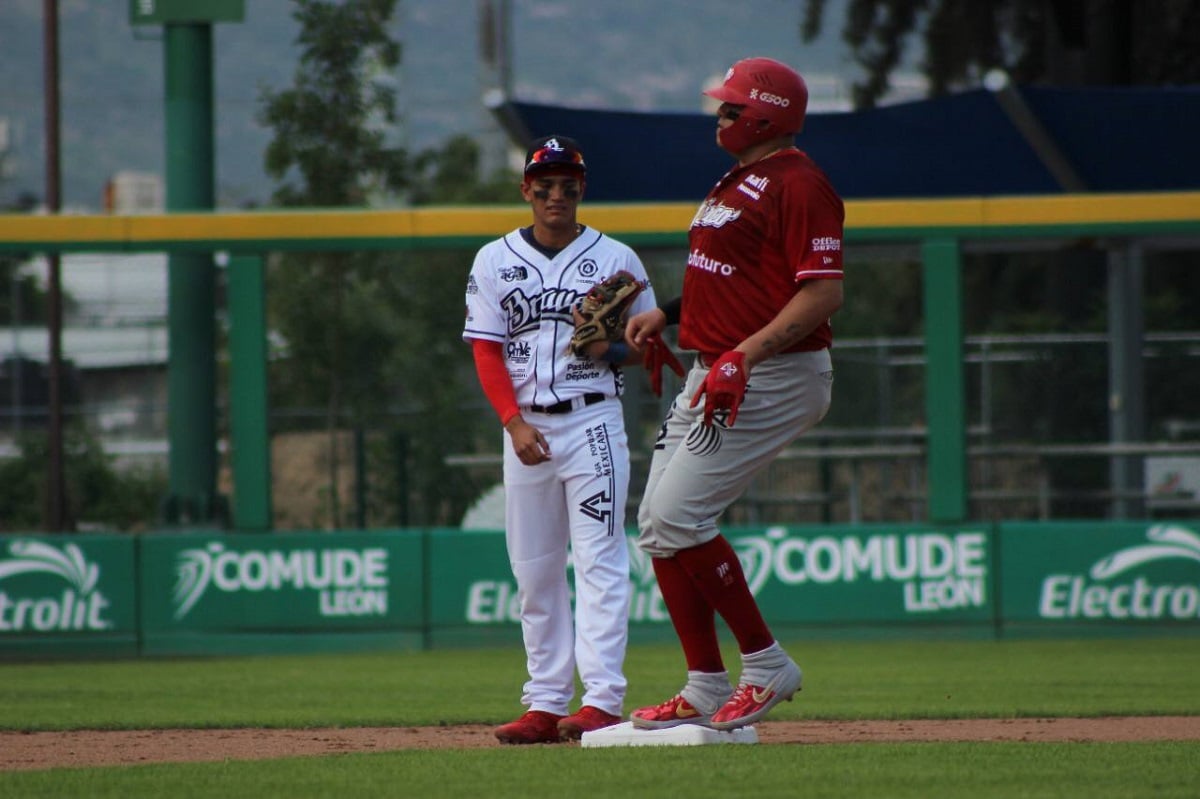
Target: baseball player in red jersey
x=763, y=277
x=566, y=455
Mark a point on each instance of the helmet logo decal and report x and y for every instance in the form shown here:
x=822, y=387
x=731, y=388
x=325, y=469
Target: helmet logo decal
x=767, y=97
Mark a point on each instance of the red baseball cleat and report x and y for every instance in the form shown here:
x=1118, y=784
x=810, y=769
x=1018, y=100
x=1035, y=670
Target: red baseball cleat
x=586, y=719
x=535, y=727
x=750, y=703
x=672, y=713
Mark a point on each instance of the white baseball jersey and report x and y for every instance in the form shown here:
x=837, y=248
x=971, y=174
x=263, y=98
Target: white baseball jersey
x=518, y=296
x=522, y=299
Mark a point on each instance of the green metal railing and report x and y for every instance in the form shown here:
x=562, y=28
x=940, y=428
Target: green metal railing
x=938, y=227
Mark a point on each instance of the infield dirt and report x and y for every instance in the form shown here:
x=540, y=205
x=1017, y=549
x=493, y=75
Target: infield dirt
x=83, y=748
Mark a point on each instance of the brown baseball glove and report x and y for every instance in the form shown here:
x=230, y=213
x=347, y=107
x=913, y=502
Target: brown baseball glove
x=603, y=311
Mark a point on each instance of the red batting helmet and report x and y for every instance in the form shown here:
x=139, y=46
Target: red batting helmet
x=775, y=99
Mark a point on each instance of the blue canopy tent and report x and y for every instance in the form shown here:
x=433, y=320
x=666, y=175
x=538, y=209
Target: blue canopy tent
x=1024, y=140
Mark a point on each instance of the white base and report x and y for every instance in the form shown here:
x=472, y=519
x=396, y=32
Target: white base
x=625, y=734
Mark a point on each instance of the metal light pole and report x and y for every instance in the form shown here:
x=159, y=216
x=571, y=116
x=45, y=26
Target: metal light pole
x=56, y=517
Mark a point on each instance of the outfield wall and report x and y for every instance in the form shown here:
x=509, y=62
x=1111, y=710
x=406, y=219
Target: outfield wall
x=208, y=593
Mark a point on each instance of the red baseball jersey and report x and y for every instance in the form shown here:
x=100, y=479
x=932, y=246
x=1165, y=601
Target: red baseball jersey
x=763, y=230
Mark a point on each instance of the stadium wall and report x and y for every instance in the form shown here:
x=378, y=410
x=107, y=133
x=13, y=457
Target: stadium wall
x=216, y=593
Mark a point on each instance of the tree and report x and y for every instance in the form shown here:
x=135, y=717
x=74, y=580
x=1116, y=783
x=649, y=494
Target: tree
x=100, y=495
x=374, y=339
x=445, y=384
x=1044, y=396
x=331, y=149
x=452, y=175
x=1063, y=42
x=331, y=127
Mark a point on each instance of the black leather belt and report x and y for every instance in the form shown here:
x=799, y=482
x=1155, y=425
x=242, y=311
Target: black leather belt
x=566, y=406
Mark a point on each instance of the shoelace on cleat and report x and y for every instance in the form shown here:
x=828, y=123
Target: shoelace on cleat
x=742, y=692
x=671, y=704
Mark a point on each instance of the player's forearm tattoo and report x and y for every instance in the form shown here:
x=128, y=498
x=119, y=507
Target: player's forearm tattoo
x=778, y=341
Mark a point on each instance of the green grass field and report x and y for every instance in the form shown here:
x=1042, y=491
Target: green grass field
x=843, y=680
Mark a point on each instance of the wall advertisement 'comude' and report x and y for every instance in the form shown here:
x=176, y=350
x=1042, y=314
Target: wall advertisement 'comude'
x=274, y=591
x=229, y=593
x=870, y=574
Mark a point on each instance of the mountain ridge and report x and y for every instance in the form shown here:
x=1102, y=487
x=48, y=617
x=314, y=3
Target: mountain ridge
x=648, y=57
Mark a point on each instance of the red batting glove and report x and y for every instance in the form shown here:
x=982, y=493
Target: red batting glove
x=656, y=355
x=724, y=387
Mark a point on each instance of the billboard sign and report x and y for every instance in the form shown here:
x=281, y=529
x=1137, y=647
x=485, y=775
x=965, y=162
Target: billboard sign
x=62, y=587
x=820, y=575
x=274, y=583
x=869, y=574
x=1132, y=573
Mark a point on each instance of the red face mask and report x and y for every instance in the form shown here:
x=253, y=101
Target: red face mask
x=745, y=132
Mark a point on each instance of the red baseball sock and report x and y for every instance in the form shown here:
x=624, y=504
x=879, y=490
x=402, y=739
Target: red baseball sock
x=691, y=615
x=717, y=574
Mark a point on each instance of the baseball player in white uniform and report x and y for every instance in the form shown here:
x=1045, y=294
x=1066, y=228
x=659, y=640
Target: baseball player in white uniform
x=566, y=457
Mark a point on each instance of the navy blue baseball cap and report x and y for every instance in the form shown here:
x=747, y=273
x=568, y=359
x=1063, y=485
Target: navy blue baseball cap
x=554, y=153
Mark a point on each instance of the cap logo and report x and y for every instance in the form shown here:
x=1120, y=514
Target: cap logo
x=554, y=152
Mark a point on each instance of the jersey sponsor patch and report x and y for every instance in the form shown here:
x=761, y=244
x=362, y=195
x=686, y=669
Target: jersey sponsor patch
x=582, y=370
x=749, y=192
x=519, y=351
x=753, y=186
x=698, y=260
x=757, y=182
x=514, y=274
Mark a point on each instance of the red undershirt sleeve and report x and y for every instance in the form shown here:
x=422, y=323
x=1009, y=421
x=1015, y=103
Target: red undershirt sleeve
x=493, y=376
